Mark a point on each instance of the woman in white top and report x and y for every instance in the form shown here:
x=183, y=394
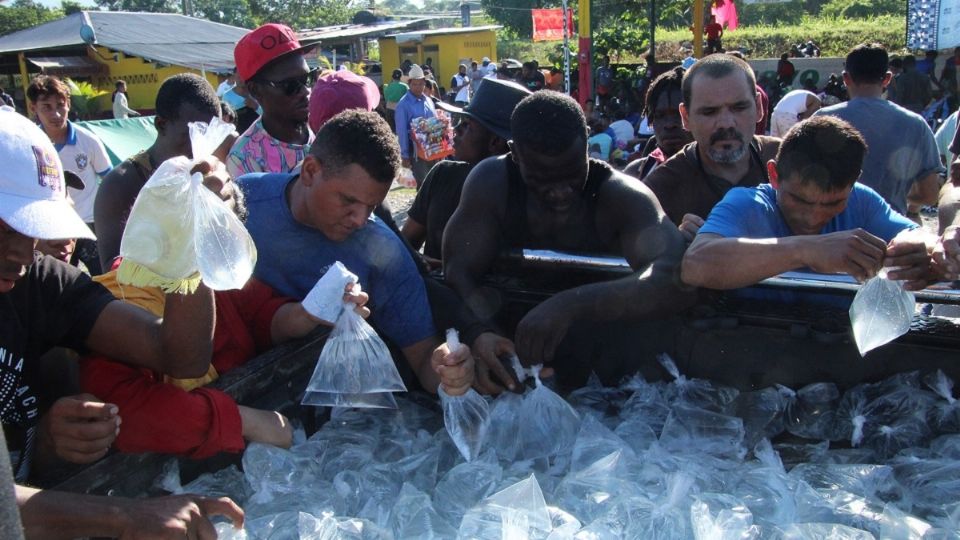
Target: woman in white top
x=120, y=108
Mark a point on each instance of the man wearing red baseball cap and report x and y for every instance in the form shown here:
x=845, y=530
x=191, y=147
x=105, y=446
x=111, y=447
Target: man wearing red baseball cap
x=271, y=63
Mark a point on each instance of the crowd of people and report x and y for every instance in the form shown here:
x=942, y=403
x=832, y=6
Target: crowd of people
x=710, y=201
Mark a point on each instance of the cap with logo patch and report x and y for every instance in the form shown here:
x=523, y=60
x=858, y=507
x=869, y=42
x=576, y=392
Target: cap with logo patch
x=33, y=194
x=263, y=45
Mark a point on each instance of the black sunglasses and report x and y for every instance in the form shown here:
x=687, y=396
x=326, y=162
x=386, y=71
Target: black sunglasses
x=292, y=85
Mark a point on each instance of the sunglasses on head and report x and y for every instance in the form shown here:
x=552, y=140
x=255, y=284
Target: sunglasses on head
x=291, y=85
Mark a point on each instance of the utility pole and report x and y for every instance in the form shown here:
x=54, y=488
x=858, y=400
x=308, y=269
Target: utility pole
x=566, y=47
x=186, y=8
x=583, y=55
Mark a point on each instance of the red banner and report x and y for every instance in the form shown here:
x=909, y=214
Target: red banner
x=548, y=24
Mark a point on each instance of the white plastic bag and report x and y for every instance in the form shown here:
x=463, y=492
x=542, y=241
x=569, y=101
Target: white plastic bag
x=179, y=232
x=467, y=416
x=355, y=368
x=881, y=312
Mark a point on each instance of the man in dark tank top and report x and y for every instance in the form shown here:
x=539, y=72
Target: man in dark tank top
x=547, y=194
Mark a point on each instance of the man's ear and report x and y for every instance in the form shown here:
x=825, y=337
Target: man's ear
x=160, y=123
x=253, y=90
x=311, y=172
x=497, y=145
x=888, y=76
x=847, y=79
x=683, y=116
x=772, y=174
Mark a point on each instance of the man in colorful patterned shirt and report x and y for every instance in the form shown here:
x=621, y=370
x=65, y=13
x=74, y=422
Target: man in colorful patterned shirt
x=270, y=62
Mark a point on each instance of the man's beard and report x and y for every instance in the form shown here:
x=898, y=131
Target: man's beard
x=732, y=155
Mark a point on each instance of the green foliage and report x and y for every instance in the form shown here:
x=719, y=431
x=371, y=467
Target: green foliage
x=83, y=98
x=70, y=7
x=232, y=12
x=25, y=14
x=515, y=14
x=304, y=13
x=863, y=9
x=152, y=6
x=249, y=13
x=786, y=13
x=621, y=40
x=834, y=36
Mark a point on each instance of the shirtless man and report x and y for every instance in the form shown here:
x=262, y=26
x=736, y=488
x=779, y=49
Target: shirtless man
x=546, y=193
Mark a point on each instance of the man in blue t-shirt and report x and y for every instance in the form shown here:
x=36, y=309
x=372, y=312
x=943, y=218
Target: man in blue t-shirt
x=812, y=215
x=303, y=223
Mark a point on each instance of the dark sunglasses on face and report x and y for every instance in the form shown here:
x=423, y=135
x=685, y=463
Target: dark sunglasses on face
x=291, y=85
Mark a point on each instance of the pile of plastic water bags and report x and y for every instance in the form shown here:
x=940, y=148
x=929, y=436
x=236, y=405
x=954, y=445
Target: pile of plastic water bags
x=684, y=459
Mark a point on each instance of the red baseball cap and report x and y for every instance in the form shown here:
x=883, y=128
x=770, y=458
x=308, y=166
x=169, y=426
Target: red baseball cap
x=337, y=91
x=264, y=45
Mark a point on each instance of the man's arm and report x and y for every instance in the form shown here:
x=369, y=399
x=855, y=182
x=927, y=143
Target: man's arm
x=925, y=190
x=471, y=240
x=112, y=208
x=178, y=345
x=946, y=254
x=402, y=121
x=53, y=514
x=716, y=262
x=652, y=246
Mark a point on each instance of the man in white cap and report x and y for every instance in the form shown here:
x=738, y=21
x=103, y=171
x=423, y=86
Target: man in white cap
x=413, y=105
x=46, y=303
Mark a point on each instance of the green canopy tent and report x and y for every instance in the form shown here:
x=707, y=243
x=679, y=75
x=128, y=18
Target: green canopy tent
x=123, y=138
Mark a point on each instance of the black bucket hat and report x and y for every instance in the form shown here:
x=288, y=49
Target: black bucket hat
x=492, y=105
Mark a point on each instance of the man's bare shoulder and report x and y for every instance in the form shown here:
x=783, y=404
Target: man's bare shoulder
x=123, y=178
x=624, y=195
x=487, y=184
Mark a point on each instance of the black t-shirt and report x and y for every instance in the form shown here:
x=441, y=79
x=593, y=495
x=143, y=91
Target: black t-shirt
x=437, y=200
x=54, y=304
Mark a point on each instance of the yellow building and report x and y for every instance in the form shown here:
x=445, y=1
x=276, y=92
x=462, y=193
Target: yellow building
x=102, y=47
x=446, y=47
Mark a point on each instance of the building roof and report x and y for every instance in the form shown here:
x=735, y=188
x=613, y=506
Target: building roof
x=166, y=38
x=351, y=31
x=418, y=34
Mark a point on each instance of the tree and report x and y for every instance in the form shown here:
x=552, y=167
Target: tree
x=151, y=6
x=232, y=12
x=300, y=14
x=70, y=7
x=25, y=14
x=515, y=14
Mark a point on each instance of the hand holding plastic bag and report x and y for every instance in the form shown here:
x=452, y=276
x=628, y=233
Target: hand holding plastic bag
x=325, y=299
x=881, y=312
x=179, y=231
x=354, y=364
x=466, y=416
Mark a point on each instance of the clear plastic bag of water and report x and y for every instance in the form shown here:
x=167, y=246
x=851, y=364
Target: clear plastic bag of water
x=353, y=364
x=179, y=232
x=550, y=423
x=881, y=312
x=466, y=416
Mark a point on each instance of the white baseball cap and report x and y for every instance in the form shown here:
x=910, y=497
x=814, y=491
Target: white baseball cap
x=33, y=196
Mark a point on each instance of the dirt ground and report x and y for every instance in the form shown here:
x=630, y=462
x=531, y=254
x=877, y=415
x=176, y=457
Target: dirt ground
x=400, y=199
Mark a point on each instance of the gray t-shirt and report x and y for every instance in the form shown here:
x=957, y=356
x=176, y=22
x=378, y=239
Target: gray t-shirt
x=901, y=148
